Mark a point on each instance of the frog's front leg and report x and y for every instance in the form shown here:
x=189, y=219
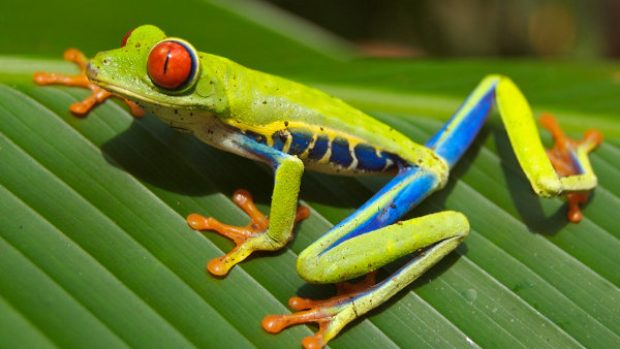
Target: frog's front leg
x=262, y=233
x=98, y=95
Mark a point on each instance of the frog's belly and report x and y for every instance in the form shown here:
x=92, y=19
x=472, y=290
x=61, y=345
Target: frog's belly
x=209, y=129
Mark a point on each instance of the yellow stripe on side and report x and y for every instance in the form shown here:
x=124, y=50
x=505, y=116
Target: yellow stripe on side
x=304, y=155
x=526, y=144
x=269, y=129
x=287, y=145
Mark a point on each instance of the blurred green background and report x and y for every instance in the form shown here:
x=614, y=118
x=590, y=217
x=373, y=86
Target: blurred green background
x=551, y=28
x=401, y=28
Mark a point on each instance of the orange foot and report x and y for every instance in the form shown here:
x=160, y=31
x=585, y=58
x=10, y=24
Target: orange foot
x=565, y=164
x=323, y=312
x=243, y=237
x=98, y=95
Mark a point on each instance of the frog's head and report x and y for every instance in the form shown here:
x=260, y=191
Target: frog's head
x=158, y=71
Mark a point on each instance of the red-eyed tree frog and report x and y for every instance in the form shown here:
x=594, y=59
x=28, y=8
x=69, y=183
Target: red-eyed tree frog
x=292, y=127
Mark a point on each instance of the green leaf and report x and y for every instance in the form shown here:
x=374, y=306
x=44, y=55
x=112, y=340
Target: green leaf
x=95, y=252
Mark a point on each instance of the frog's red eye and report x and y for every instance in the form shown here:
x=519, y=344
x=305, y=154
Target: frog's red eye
x=125, y=37
x=171, y=64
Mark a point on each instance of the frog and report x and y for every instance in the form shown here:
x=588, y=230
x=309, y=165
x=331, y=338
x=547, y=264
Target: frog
x=291, y=128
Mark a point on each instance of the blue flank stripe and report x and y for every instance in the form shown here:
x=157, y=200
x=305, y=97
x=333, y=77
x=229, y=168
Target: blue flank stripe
x=278, y=140
x=367, y=158
x=341, y=155
x=320, y=148
x=301, y=141
x=254, y=146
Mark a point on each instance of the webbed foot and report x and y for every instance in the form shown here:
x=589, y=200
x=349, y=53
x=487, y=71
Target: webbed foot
x=98, y=95
x=330, y=314
x=564, y=158
x=247, y=239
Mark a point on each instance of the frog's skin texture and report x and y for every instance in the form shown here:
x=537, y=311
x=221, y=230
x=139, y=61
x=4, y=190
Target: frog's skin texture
x=292, y=127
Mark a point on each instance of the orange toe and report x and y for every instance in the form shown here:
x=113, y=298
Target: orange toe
x=566, y=163
x=247, y=238
x=98, y=95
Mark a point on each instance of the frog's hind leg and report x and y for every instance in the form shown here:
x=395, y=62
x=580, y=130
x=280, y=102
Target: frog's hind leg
x=98, y=95
x=319, y=311
x=564, y=170
x=365, y=241
x=433, y=236
x=569, y=157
